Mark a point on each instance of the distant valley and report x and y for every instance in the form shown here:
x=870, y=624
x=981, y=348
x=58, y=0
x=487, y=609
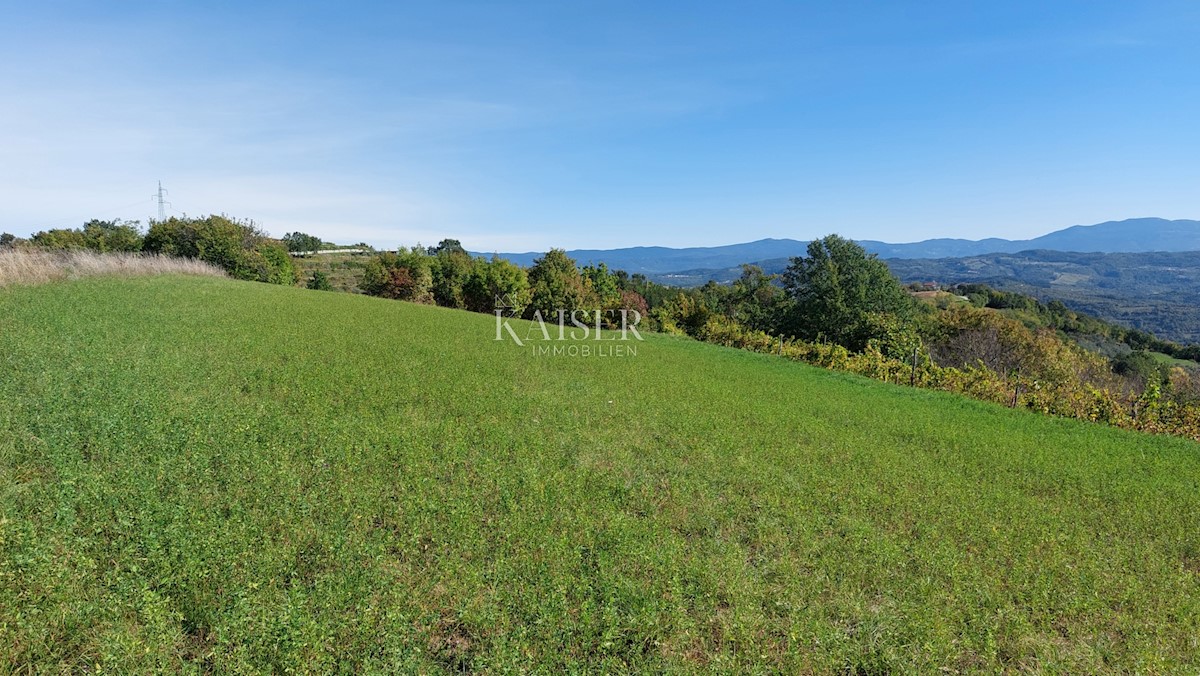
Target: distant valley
x=1157, y=292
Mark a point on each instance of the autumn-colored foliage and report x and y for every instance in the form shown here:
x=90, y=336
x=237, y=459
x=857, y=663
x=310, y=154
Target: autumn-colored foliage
x=1011, y=365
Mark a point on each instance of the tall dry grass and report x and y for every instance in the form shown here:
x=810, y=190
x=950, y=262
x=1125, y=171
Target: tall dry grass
x=29, y=266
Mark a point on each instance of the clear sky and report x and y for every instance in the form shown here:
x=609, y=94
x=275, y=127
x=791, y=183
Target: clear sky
x=521, y=126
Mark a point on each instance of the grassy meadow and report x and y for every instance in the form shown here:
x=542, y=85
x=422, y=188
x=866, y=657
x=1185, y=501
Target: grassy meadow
x=199, y=474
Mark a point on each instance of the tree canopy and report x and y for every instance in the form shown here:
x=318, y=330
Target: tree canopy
x=299, y=242
x=555, y=284
x=95, y=235
x=842, y=294
x=239, y=247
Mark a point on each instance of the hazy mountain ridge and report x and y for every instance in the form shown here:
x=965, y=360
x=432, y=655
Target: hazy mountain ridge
x=1128, y=236
x=660, y=259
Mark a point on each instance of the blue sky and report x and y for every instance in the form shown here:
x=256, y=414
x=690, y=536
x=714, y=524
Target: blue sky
x=521, y=126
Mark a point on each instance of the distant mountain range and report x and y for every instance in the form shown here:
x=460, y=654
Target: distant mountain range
x=1128, y=236
x=1135, y=235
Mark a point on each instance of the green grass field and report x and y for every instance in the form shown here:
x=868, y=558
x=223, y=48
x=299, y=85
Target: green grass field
x=1168, y=360
x=206, y=475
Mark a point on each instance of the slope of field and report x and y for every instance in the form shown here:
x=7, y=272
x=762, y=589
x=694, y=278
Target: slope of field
x=344, y=270
x=202, y=474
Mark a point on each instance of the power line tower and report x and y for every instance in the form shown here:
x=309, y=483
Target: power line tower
x=162, y=205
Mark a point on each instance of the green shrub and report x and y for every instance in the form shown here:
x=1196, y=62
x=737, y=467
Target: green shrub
x=406, y=274
x=276, y=266
x=96, y=235
x=238, y=247
x=451, y=268
x=556, y=285
x=320, y=282
x=1141, y=365
x=496, y=283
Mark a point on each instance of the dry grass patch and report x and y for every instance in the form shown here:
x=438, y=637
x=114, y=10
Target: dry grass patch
x=20, y=266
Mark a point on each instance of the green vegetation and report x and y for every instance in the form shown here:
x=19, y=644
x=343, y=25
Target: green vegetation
x=406, y=274
x=319, y=282
x=381, y=486
x=344, y=270
x=1111, y=339
x=95, y=235
x=1152, y=292
x=1042, y=356
x=240, y=248
x=555, y=284
x=840, y=293
x=299, y=242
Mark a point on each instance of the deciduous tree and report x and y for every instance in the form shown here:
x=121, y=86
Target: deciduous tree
x=838, y=291
x=299, y=242
x=556, y=285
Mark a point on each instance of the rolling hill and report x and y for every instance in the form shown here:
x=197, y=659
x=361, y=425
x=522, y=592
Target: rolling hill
x=1156, y=292
x=199, y=474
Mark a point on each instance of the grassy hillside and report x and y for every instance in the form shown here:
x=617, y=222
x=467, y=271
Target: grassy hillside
x=206, y=474
x=344, y=270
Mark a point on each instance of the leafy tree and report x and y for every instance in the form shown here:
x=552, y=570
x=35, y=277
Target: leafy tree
x=319, y=282
x=7, y=240
x=451, y=268
x=555, y=284
x=272, y=263
x=447, y=246
x=838, y=291
x=604, y=284
x=59, y=238
x=495, y=284
x=404, y=275
x=633, y=301
x=96, y=235
x=654, y=293
x=1141, y=366
x=965, y=337
x=113, y=235
x=299, y=242
x=240, y=248
x=758, y=303
x=687, y=312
